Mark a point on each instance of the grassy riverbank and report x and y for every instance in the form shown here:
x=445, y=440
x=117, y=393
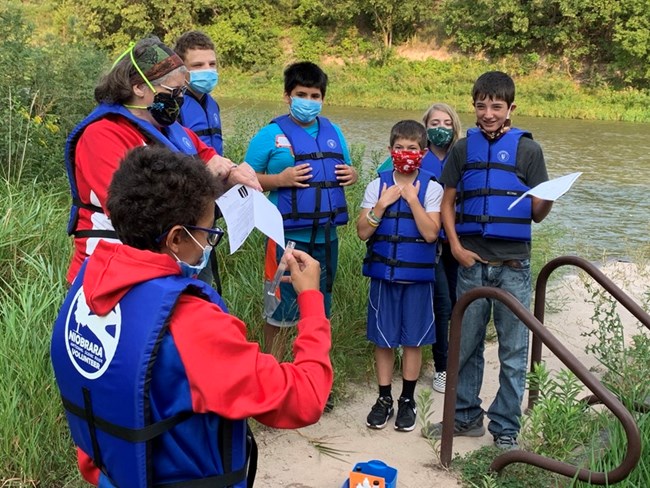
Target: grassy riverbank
x=403, y=84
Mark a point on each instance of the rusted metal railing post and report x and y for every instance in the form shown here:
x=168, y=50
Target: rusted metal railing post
x=540, y=303
x=633, y=451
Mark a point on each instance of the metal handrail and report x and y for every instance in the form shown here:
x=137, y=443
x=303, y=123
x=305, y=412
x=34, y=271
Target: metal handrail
x=540, y=303
x=631, y=430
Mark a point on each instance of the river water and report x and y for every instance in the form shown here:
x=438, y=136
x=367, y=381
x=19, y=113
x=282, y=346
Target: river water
x=604, y=215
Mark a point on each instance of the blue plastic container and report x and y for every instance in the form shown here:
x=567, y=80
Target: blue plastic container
x=376, y=468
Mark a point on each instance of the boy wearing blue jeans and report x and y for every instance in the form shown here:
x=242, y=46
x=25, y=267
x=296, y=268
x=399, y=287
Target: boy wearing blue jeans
x=303, y=160
x=485, y=173
x=400, y=219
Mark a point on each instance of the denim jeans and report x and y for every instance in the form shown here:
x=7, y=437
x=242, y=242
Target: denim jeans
x=505, y=411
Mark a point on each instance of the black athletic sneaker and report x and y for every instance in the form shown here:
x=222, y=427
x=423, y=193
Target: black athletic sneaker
x=381, y=411
x=406, y=412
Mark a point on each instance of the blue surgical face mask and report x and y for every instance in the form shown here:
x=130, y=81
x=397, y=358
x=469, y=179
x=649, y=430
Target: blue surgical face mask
x=192, y=271
x=204, y=80
x=305, y=110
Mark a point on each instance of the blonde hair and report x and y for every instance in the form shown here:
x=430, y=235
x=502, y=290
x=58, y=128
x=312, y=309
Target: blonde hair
x=455, y=121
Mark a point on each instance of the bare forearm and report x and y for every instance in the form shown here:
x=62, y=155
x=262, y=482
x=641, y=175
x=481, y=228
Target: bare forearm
x=541, y=208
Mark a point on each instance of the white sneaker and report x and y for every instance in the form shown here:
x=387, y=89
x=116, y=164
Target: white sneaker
x=440, y=381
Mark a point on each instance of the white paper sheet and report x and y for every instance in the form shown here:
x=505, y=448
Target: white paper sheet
x=245, y=209
x=550, y=190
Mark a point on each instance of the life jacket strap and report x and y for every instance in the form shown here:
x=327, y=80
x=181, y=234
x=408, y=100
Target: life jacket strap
x=132, y=435
x=489, y=165
x=99, y=233
x=396, y=263
x=483, y=192
x=88, y=206
x=397, y=238
x=486, y=219
x=211, y=131
x=318, y=155
x=391, y=214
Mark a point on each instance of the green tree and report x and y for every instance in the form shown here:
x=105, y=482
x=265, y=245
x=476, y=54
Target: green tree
x=395, y=19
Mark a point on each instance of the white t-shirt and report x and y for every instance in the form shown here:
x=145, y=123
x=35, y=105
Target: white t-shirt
x=432, y=198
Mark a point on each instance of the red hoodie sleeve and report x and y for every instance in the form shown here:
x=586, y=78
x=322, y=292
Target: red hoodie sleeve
x=230, y=376
x=87, y=468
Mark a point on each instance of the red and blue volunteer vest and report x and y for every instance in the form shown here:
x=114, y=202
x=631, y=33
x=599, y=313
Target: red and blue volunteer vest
x=489, y=184
x=397, y=251
x=173, y=136
x=323, y=202
x=204, y=118
x=127, y=396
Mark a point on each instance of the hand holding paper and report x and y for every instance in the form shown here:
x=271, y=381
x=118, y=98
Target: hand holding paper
x=550, y=190
x=244, y=209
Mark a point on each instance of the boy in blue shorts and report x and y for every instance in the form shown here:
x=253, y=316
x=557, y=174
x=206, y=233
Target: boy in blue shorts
x=400, y=219
x=303, y=160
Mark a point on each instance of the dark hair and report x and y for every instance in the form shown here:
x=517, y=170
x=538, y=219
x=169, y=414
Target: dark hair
x=155, y=189
x=411, y=130
x=116, y=86
x=192, y=40
x=306, y=74
x=495, y=85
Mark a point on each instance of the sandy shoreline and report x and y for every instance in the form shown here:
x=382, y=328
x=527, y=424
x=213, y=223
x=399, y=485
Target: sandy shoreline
x=289, y=459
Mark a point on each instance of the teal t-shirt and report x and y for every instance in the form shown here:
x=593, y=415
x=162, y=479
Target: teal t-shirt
x=386, y=165
x=270, y=152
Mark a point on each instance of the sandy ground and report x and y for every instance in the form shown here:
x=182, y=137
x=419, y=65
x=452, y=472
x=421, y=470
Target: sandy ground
x=289, y=458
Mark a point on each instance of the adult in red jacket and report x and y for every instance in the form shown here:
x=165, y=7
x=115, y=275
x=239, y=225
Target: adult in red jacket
x=139, y=101
x=200, y=366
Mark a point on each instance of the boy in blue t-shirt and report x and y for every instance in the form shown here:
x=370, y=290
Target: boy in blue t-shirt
x=400, y=219
x=302, y=159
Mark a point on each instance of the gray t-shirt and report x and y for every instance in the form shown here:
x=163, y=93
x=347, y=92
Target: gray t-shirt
x=530, y=169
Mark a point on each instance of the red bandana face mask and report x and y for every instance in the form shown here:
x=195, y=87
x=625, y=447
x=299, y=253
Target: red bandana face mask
x=405, y=161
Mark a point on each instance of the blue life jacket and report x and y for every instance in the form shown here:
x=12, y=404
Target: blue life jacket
x=489, y=184
x=204, y=118
x=397, y=251
x=173, y=136
x=432, y=164
x=127, y=396
x=323, y=203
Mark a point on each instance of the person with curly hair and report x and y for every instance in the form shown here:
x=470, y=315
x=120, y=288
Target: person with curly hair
x=157, y=378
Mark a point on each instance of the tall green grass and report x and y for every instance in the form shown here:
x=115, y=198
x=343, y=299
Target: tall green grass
x=413, y=85
x=34, y=253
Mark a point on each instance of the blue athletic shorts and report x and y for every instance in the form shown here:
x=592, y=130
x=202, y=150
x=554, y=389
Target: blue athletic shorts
x=281, y=310
x=400, y=314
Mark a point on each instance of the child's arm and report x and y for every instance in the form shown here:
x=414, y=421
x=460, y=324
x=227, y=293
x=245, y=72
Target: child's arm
x=368, y=223
x=541, y=209
x=291, y=176
x=428, y=223
x=464, y=257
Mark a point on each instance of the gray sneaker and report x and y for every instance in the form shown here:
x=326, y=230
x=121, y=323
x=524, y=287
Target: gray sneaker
x=506, y=442
x=473, y=429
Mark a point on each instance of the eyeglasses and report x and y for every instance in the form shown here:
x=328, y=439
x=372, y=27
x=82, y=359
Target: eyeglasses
x=214, y=235
x=175, y=92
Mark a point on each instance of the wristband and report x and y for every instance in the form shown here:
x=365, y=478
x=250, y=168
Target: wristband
x=371, y=222
x=373, y=217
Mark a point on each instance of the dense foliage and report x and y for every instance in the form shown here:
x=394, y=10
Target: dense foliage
x=598, y=41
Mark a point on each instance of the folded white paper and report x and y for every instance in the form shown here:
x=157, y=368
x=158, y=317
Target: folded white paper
x=245, y=209
x=550, y=190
